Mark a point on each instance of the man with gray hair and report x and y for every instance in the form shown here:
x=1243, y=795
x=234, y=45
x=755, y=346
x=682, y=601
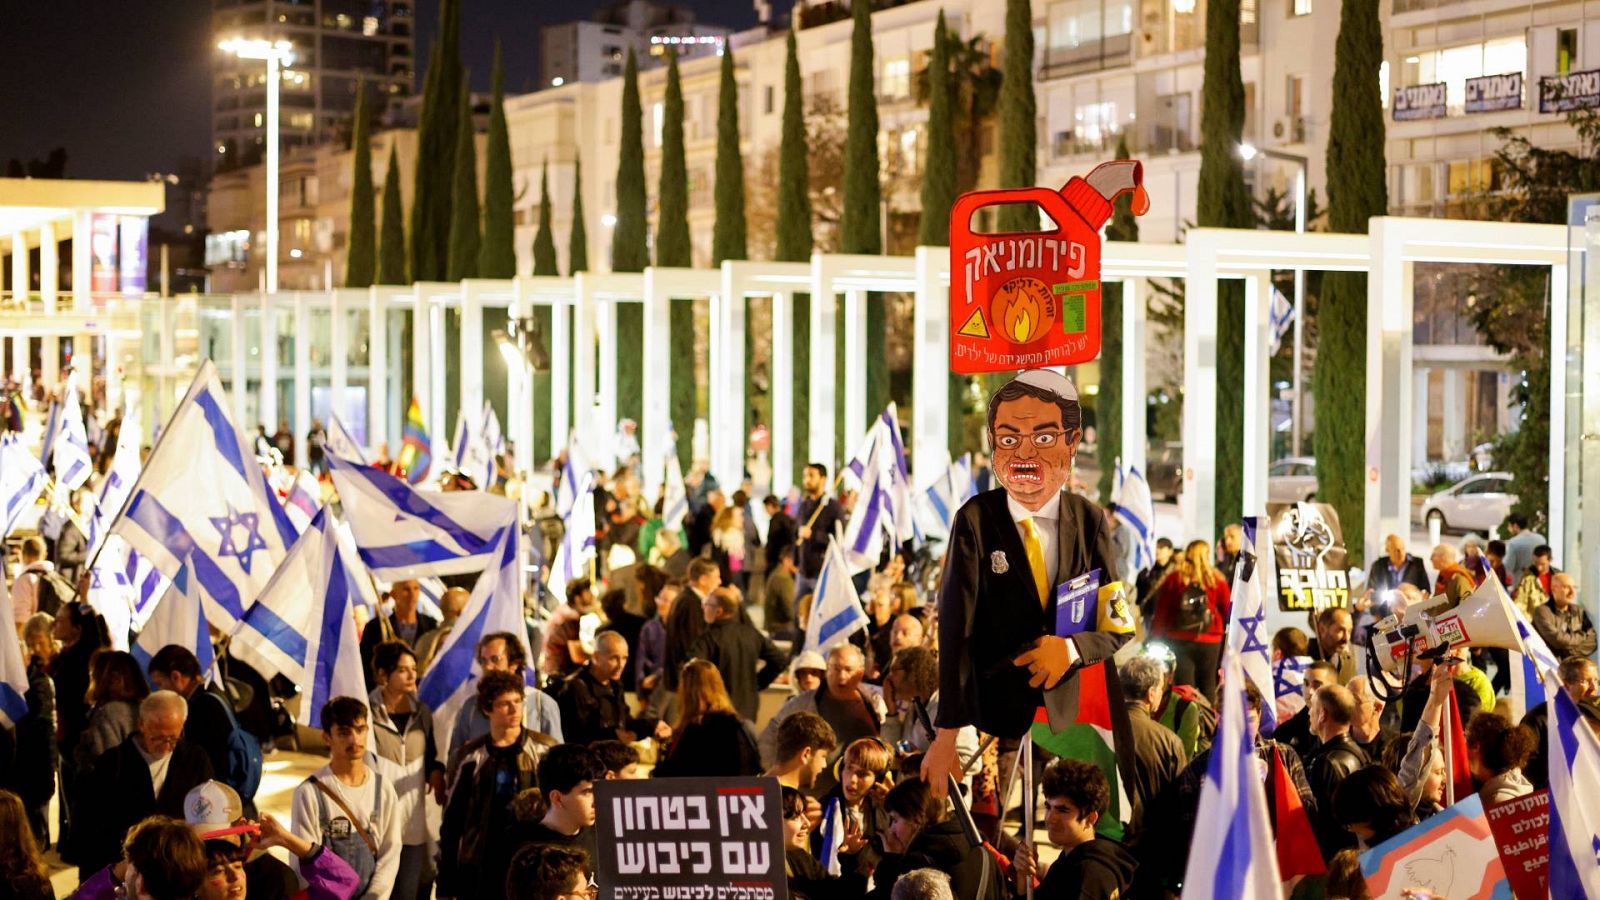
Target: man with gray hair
x=1158, y=755
x=1367, y=728
x=922, y=884
x=147, y=774
x=853, y=709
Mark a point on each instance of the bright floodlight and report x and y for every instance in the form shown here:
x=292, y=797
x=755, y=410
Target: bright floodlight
x=1248, y=152
x=259, y=48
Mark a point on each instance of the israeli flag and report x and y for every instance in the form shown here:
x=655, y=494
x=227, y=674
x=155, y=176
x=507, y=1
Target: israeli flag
x=1529, y=666
x=111, y=596
x=1574, y=783
x=495, y=605
x=21, y=479
x=1281, y=318
x=69, y=454
x=883, y=503
x=202, y=504
x=13, y=671
x=832, y=837
x=1236, y=859
x=577, y=543
x=570, y=480
x=493, y=440
x=1135, y=508
x=338, y=442
x=178, y=618
x=52, y=427
x=946, y=495
x=118, y=483
x=1248, y=639
x=836, y=611
x=675, y=502
x=308, y=636
x=303, y=499
x=466, y=452
x=402, y=532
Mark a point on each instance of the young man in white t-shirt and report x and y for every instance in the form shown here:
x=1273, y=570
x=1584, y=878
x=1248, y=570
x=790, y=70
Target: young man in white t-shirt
x=347, y=806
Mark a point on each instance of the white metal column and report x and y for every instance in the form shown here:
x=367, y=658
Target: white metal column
x=338, y=351
x=604, y=426
x=930, y=365
x=377, y=366
x=1198, y=501
x=239, y=374
x=855, y=370
x=20, y=351
x=421, y=354
x=583, y=361
x=520, y=401
x=782, y=432
x=656, y=406
x=1558, y=411
x=302, y=377
x=729, y=424
x=50, y=356
x=1419, y=400
x=1389, y=353
x=561, y=371
x=82, y=260
x=433, y=408
x=1134, y=436
x=267, y=408
x=49, y=269
x=472, y=363
x=823, y=383
x=1257, y=435
x=19, y=267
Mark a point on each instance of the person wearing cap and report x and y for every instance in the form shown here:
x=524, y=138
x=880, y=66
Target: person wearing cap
x=1009, y=552
x=147, y=774
x=216, y=814
x=809, y=669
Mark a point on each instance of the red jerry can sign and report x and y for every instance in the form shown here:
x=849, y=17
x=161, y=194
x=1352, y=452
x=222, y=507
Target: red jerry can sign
x=1025, y=300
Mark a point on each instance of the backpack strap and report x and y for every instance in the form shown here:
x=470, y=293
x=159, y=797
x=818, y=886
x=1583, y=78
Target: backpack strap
x=355, y=820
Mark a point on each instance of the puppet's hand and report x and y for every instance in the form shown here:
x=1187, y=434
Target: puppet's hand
x=1049, y=659
x=941, y=760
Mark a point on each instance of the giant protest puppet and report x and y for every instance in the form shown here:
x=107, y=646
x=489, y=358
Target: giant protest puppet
x=1029, y=590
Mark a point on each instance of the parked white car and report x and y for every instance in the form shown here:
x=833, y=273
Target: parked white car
x=1292, y=479
x=1478, y=504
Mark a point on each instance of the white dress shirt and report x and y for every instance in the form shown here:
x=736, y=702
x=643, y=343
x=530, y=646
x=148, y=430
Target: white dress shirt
x=1045, y=522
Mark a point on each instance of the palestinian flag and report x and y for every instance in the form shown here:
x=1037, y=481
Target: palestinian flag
x=1089, y=700
x=416, y=448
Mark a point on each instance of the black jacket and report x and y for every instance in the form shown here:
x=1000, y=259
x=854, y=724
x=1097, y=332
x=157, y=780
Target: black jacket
x=988, y=617
x=719, y=744
x=72, y=551
x=1411, y=572
x=372, y=636
x=208, y=728
x=781, y=534
x=1098, y=870
x=735, y=648
x=32, y=775
x=942, y=846
x=591, y=711
x=1296, y=733
x=119, y=795
x=685, y=623
x=813, y=548
x=1327, y=768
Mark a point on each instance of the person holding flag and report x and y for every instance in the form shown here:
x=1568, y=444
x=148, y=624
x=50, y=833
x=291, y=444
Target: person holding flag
x=1089, y=868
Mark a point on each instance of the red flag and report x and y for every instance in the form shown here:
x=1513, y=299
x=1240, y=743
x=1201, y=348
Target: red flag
x=1459, y=786
x=1298, y=853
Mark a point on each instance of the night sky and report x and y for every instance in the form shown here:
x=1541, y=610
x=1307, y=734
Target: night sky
x=124, y=85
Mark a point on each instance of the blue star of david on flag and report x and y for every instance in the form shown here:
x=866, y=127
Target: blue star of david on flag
x=253, y=540
x=1252, y=637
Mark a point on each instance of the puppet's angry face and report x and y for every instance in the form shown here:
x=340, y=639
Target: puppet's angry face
x=1032, y=450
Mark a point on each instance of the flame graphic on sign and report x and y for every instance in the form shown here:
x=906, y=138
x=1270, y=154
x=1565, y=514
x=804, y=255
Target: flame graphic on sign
x=1020, y=316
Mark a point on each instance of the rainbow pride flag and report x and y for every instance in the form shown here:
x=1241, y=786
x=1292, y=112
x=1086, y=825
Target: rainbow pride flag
x=416, y=448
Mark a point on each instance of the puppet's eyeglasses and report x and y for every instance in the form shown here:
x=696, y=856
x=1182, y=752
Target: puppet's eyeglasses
x=1040, y=439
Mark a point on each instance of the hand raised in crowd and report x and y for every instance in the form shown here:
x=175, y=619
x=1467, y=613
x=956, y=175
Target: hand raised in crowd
x=274, y=834
x=854, y=838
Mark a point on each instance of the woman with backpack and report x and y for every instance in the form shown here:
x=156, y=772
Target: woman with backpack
x=1191, y=616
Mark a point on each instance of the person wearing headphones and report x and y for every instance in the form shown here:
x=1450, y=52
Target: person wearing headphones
x=864, y=779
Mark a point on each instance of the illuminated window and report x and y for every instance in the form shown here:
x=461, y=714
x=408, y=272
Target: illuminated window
x=1454, y=65
x=659, y=118
x=896, y=81
x=1095, y=122
x=1299, y=7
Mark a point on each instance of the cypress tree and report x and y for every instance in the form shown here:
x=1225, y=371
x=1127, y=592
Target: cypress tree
x=1356, y=191
x=1224, y=202
x=1108, y=404
x=578, y=240
x=464, y=236
x=794, y=243
x=728, y=235
x=360, y=258
x=1018, y=154
x=939, y=172
x=392, y=242
x=497, y=258
x=437, y=135
x=672, y=224
x=629, y=250
x=544, y=242
x=860, y=226
x=860, y=222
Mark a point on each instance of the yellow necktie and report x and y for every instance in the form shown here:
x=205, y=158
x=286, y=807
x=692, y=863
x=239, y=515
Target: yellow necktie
x=1035, y=550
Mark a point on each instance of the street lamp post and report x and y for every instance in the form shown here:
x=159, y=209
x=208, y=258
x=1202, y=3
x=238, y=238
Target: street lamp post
x=1297, y=403
x=277, y=54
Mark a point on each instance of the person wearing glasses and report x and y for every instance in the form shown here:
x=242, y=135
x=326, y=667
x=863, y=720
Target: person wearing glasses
x=1009, y=552
x=148, y=774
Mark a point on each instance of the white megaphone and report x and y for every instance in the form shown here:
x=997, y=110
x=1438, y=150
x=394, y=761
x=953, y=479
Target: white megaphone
x=1485, y=618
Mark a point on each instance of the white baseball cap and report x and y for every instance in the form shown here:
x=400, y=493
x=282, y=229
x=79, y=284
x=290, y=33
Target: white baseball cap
x=810, y=659
x=211, y=809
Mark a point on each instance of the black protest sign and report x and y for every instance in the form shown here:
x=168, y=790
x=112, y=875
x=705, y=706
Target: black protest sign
x=1312, y=562
x=690, y=839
